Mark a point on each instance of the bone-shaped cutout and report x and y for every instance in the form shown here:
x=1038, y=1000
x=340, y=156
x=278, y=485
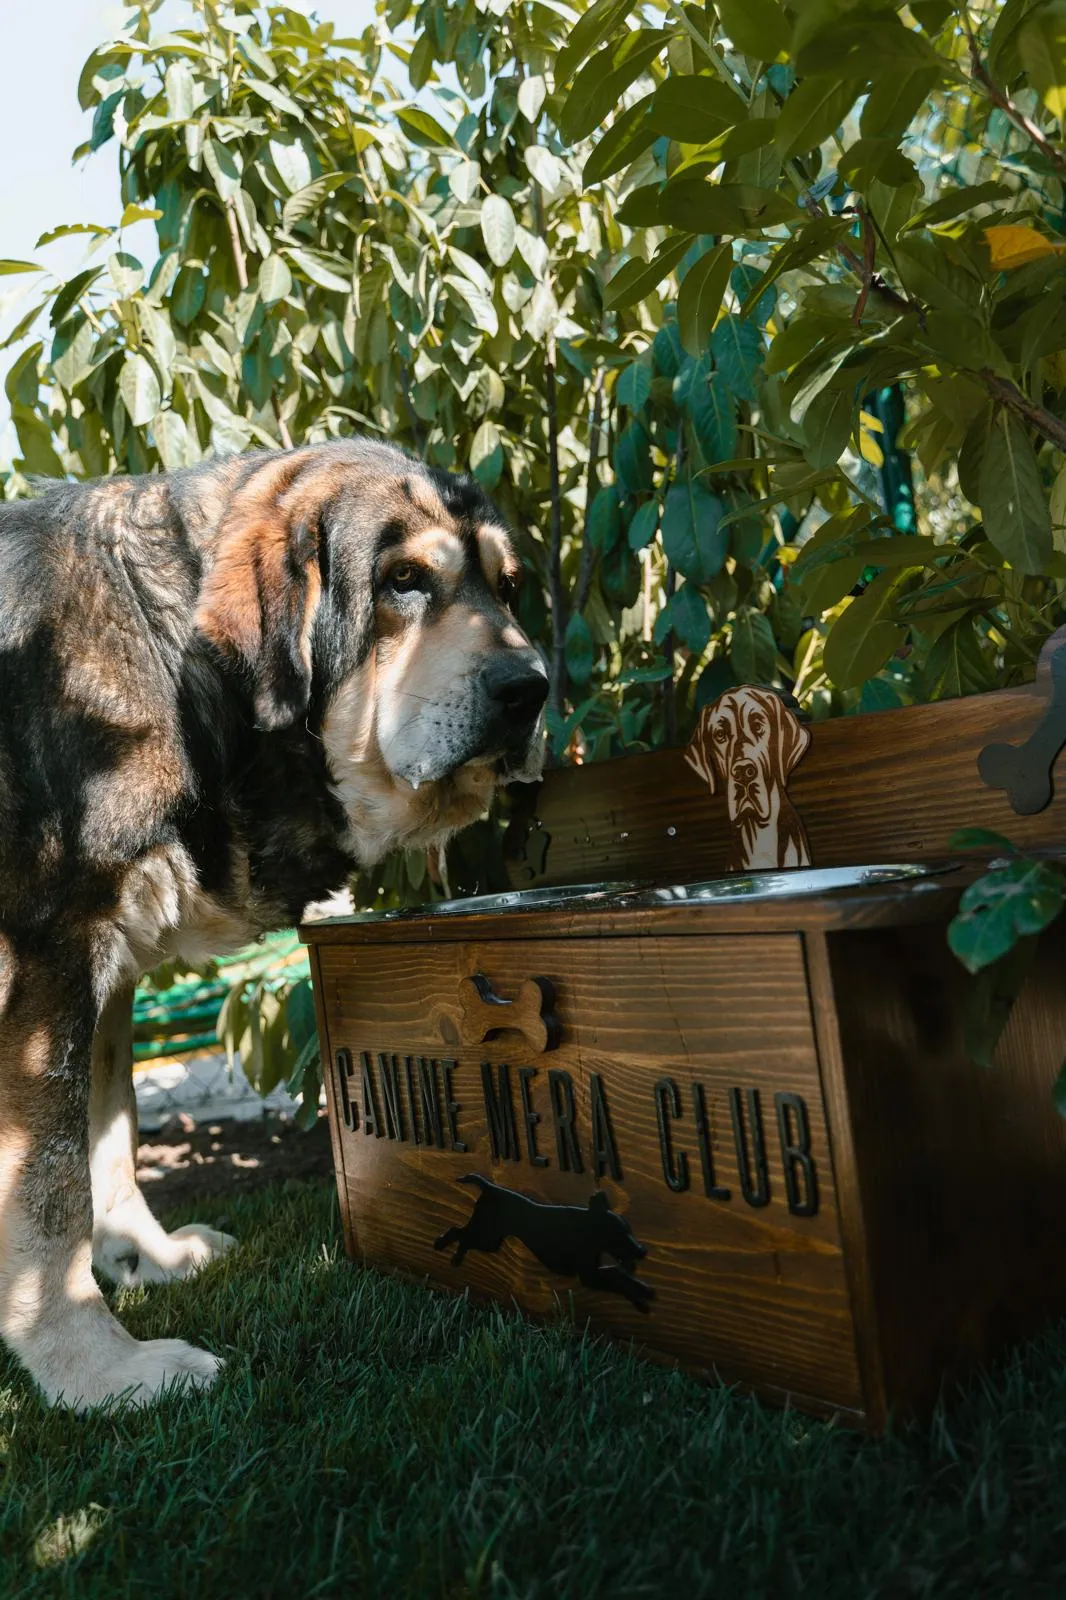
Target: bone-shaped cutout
x=484, y=1013
x=1024, y=771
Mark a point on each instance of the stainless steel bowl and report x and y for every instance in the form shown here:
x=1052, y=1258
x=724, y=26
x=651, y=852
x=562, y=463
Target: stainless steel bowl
x=790, y=884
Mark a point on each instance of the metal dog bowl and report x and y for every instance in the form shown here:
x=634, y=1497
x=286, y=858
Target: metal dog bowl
x=790, y=884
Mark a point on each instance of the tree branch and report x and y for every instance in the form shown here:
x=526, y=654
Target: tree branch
x=1008, y=394
x=588, y=555
x=555, y=557
x=239, y=260
x=983, y=80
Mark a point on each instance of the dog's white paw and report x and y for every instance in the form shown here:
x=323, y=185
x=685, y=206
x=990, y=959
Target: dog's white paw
x=130, y=1248
x=133, y=1374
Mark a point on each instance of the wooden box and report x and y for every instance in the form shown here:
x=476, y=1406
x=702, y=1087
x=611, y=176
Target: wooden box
x=744, y=1134
x=744, y=1131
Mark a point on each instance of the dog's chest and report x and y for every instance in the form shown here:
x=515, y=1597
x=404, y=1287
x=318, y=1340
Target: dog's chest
x=164, y=913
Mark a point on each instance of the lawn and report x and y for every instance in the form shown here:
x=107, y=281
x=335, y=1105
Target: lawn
x=373, y=1438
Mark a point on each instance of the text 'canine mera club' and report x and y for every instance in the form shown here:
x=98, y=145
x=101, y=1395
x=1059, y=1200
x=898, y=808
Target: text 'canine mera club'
x=415, y=1099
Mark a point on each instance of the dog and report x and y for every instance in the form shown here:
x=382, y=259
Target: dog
x=568, y=1240
x=222, y=691
x=746, y=744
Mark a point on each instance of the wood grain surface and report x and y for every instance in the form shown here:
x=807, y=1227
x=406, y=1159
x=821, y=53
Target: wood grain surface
x=753, y=1291
x=888, y=786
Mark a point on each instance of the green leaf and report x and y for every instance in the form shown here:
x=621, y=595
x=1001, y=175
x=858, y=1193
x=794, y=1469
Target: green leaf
x=641, y=530
x=814, y=110
x=598, y=87
x=134, y=213
x=486, y=455
x=637, y=279
x=694, y=110
x=275, y=280
x=814, y=240
x=187, y=296
x=580, y=650
x=873, y=47
x=424, y=130
x=753, y=650
x=757, y=27
x=172, y=440
x=737, y=348
x=139, y=387
x=220, y=163
x=127, y=274
x=291, y=161
x=1011, y=902
x=605, y=519
x=498, y=229
x=632, y=460
x=306, y=201
x=1014, y=506
x=634, y=386
x=599, y=22
x=981, y=839
x=928, y=272
x=692, y=538
x=955, y=665
x=319, y=270
x=700, y=297
x=827, y=426
x=1042, y=47
x=35, y=441
x=685, y=615
x=712, y=412
x=865, y=636
x=956, y=203
x=629, y=136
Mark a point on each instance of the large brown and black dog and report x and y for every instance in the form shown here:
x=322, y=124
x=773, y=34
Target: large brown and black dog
x=220, y=691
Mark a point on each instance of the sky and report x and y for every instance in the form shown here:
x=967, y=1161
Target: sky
x=46, y=43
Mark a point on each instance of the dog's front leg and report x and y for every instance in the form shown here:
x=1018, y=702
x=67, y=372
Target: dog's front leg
x=52, y=1314
x=129, y=1245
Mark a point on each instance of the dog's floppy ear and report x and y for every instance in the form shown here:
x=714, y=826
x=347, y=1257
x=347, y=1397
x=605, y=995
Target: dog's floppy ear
x=792, y=735
x=258, y=601
x=699, y=754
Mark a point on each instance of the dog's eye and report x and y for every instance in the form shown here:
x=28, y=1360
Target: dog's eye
x=404, y=577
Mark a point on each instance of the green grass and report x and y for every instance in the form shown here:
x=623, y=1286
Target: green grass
x=370, y=1438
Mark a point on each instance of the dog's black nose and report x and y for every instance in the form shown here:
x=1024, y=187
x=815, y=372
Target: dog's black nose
x=745, y=771
x=516, y=684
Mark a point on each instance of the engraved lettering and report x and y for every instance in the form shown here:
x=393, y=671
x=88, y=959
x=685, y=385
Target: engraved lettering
x=604, y=1149
x=499, y=1112
x=667, y=1106
x=530, y=1118
x=796, y=1155
x=345, y=1072
x=389, y=1067
x=561, y=1094
x=371, y=1114
x=757, y=1193
x=713, y=1190
x=451, y=1105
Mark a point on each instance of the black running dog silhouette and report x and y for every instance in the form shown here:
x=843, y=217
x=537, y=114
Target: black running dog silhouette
x=568, y=1240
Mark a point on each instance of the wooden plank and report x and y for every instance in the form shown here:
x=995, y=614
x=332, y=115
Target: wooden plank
x=756, y=1291
x=889, y=786
x=961, y=1169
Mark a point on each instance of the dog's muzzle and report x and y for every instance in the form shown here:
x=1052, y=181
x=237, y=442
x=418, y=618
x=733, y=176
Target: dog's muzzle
x=514, y=687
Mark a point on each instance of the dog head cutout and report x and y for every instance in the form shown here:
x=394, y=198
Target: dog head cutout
x=357, y=592
x=745, y=746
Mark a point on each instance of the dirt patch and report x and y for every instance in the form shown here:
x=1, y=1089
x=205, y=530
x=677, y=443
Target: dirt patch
x=186, y=1158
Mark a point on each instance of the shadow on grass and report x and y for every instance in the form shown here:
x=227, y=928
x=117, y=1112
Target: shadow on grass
x=369, y=1437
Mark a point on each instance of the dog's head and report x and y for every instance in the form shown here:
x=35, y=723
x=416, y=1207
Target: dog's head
x=614, y=1236
x=746, y=744
x=370, y=598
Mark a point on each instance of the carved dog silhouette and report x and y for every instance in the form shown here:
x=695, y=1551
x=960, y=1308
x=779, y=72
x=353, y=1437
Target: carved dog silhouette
x=568, y=1240
x=745, y=745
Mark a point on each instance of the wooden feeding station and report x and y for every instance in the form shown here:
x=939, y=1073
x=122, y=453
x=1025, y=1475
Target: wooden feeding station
x=719, y=1100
